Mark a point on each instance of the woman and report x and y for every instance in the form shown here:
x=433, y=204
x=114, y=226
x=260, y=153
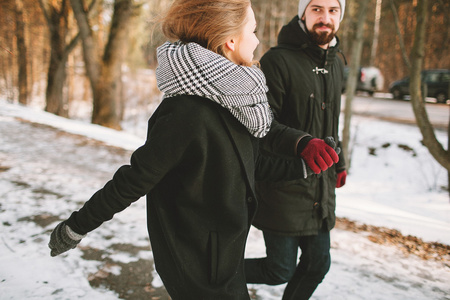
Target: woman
x=197, y=166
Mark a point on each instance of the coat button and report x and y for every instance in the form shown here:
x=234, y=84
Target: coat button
x=316, y=204
x=250, y=199
x=323, y=105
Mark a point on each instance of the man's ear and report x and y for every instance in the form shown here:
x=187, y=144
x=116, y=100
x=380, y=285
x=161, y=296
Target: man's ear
x=230, y=44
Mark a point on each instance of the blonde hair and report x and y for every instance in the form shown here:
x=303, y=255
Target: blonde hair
x=210, y=23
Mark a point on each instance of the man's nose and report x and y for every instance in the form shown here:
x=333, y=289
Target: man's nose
x=325, y=17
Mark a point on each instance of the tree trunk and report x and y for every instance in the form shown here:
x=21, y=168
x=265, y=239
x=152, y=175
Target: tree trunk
x=56, y=77
x=376, y=32
x=56, y=71
x=429, y=138
x=105, y=111
x=22, y=59
x=352, y=80
x=105, y=74
x=91, y=50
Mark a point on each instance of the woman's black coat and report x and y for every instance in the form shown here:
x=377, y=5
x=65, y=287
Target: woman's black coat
x=197, y=169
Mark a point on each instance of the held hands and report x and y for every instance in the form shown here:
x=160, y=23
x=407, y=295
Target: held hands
x=319, y=154
x=62, y=239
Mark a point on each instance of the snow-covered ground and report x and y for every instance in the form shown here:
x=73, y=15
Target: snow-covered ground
x=45, y=174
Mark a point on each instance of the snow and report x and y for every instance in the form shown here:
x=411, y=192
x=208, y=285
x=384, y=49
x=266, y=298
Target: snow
x=399, y=188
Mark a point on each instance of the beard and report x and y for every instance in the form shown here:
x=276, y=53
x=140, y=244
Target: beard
x=322, y=38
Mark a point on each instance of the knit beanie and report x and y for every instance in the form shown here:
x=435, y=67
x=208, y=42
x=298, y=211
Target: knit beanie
x=302, y=4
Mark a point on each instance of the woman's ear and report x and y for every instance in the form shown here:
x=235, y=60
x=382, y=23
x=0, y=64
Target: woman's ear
x=230, y=44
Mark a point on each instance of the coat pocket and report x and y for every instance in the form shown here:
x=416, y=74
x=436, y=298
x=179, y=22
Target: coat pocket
x=213, y=257
x=310, y=113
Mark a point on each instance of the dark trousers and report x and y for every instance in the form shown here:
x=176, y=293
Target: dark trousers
x=280, y=265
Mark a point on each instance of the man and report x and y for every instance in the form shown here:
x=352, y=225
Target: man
x=304, y=74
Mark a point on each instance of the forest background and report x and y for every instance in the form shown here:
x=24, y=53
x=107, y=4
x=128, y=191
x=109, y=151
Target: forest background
x=28, y=29
x=56, y=52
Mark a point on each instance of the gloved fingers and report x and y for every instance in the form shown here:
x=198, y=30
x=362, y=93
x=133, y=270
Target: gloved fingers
x=321, y=163
x=54, y=252
x=330, y=142
x=332, y=155
x=328, y=155
x=55, y=235
x=338, y=150
x=314, y=167
x=54, y=238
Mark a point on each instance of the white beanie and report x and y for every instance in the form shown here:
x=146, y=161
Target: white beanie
x=302, y=4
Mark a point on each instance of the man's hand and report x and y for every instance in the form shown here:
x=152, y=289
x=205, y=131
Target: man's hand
x=341, y=176
x=319, y=155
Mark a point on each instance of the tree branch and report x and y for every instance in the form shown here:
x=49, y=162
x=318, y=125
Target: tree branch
x=47, y=17
x=399, y=34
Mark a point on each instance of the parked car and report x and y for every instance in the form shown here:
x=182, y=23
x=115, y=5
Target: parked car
x=436, y=80
x=370, y=80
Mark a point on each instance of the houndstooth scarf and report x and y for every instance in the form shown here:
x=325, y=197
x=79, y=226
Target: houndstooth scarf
x=193, y=70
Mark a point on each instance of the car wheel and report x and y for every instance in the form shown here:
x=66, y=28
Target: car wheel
x=441, y=97
x=397, y=94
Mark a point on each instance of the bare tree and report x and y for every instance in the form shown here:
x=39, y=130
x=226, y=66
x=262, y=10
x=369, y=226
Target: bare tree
x=351, y=80
x=271, y=15
x=7, y=50
x=429, y=138
x=400, y=37
x=22, y=58
x=104, y=72
x=376, y=32
x=56, y=13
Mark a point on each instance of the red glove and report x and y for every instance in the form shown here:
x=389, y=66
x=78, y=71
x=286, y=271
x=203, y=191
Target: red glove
x=341, y=176
x=318, y=155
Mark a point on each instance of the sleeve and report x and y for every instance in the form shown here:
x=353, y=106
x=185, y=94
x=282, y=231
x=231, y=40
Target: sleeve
x=169, y=135
x=281, y=139
x=275, y=168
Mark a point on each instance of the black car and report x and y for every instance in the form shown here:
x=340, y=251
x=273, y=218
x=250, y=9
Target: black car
x=436, y=81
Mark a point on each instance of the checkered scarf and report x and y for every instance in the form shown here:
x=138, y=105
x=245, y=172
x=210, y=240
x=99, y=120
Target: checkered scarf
x=193, y=70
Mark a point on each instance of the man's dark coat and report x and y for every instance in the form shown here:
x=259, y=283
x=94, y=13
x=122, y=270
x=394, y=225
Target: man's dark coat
x=304, y=83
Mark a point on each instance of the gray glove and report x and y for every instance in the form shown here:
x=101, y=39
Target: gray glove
x=62, y=239
x=330, y=142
